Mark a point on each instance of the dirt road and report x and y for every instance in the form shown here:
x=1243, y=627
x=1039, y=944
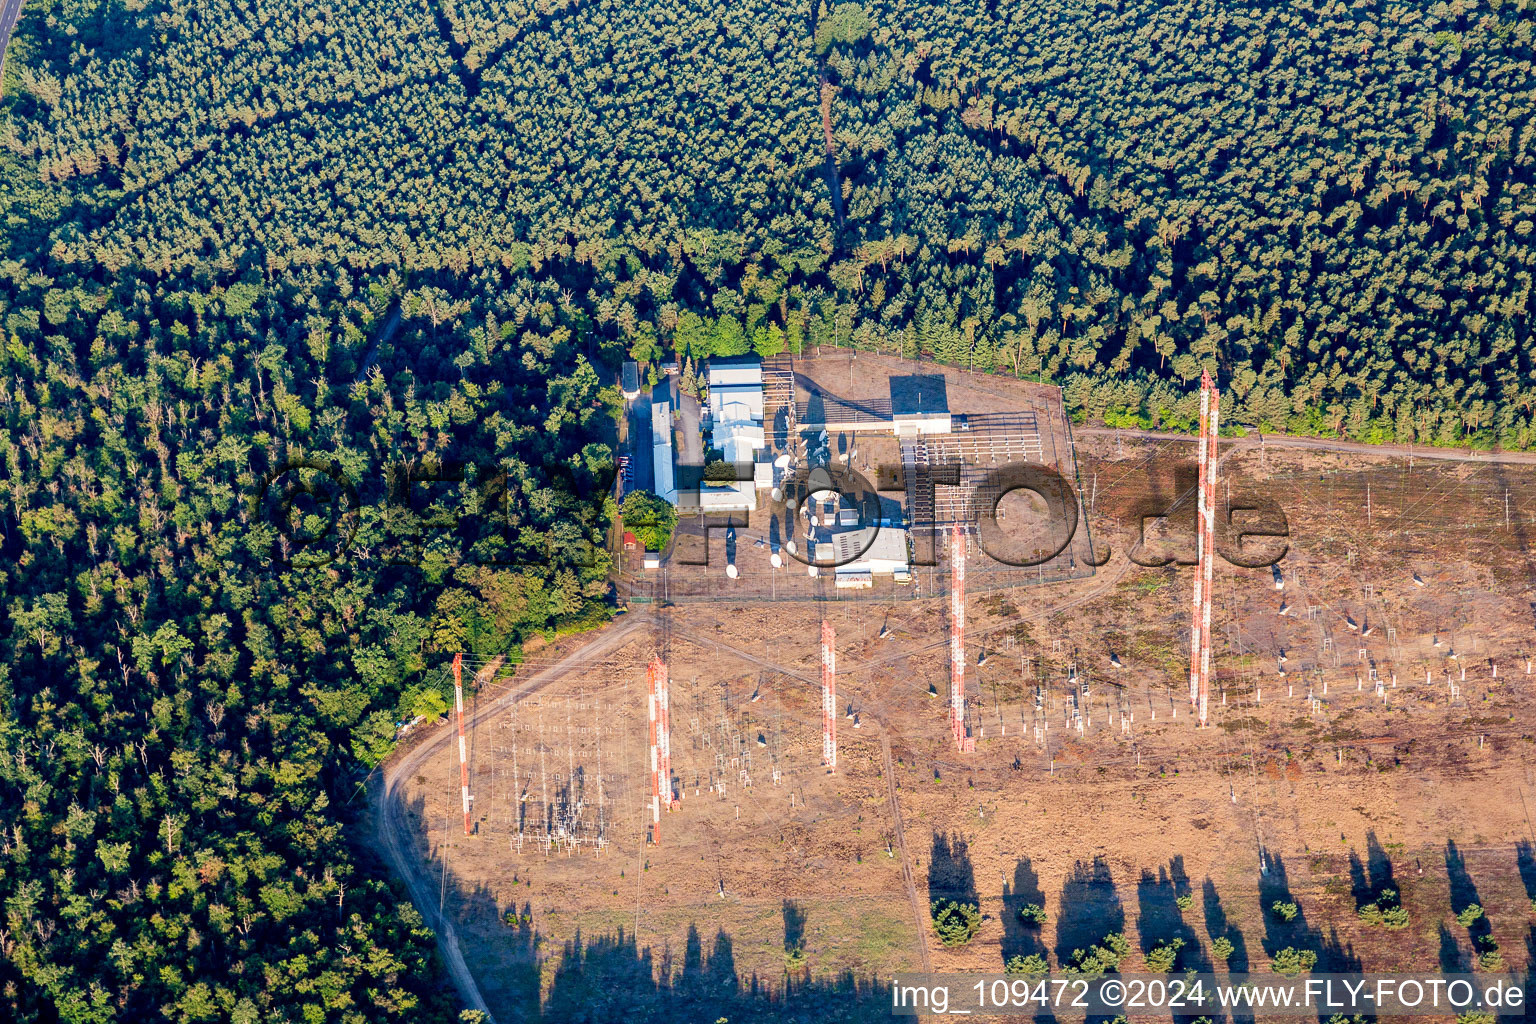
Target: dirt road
x=394, y=834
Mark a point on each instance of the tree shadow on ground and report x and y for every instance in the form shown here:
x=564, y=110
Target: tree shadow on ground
x=1333, y=954
x=1090, y=909
x=1464, y=895
x=1454, y=958
x=1369, y=880
x=794, y=926
x=950, y=874
x=1525, y=858
x=1159, y=918
x=611, y=977
x=1275, y=887
x=1020, y=937
x=1217, y=926
x=1337, y=956
x=1530, y=973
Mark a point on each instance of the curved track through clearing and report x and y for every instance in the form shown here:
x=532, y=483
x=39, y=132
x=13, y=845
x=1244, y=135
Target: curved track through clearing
x=394, y=834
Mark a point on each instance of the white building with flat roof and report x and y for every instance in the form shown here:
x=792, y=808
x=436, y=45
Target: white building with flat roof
x=736, y=496
x=886, y=554
x=736, y=407
x=661, y=450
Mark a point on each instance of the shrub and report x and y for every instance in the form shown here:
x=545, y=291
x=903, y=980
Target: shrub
x=1164, y=956
x=1285, y=911
x=1223, y=948
x=1385, y=910
x=1032, y=913
x=794, y=959
x=1033, y=965
x=1490, y=960
x=955, y=923
x=1488, y=957
x=1291, y=961
x=1469, y=915
x=1184, y=902
x=719, y=471
x=1101, y=958
x=1476, y=1017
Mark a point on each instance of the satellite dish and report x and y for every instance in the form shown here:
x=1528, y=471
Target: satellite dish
x=812, y=571
x=815, y=521
x=776, y=560
x=777, y=494
x=789, y=546
x=730, y=570
x=782, y=461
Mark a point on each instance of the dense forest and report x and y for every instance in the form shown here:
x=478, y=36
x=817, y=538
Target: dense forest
x=275, y=273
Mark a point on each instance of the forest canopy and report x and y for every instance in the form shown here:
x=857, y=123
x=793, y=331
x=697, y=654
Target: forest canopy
x=271, y=266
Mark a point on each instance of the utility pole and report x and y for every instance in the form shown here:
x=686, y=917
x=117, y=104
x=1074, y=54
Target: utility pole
x=458, y=705
x=661, y=744
x=1205, y=531
x=963, y=742
x=828, y=696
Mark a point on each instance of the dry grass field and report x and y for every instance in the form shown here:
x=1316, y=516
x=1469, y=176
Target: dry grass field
x=1369, y=758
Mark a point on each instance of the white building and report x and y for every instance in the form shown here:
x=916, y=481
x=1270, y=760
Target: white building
x=886, y=554
x=736, y=407
x=919, y=405
x=736, y=389
x=737, y=496
x=661, y=450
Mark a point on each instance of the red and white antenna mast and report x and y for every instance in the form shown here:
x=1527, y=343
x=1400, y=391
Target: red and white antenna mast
x=661, y=744
x=828, y=696
x=458, y=707
x=1205, y=551
x=963, y=741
